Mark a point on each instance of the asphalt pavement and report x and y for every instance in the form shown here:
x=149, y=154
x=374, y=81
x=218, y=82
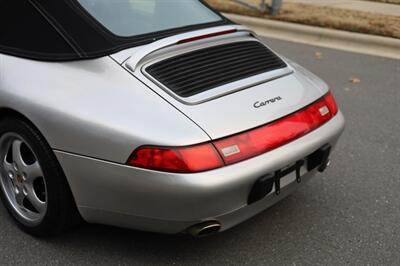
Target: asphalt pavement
x=348, y=215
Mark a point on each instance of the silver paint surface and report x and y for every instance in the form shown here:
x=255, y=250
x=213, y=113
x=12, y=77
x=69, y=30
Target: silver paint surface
x=94, y=113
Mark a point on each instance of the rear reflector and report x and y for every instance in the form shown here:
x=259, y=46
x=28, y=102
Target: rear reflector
x=238, y=147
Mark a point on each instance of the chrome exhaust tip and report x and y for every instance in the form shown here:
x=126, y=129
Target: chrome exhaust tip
x=205, y=229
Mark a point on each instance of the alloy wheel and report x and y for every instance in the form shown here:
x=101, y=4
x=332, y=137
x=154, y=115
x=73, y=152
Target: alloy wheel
x=22, y=179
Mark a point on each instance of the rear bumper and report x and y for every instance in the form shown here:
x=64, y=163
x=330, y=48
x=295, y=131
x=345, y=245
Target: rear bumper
x=115, y=194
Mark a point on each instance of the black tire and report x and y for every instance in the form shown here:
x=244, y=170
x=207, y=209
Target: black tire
x=61, y=212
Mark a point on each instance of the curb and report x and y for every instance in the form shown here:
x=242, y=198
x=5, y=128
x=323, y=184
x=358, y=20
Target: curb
x=329, y=38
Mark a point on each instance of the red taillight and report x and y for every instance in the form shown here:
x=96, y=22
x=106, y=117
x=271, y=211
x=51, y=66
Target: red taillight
x=330, y=101
x=238, y=147
x=180, y=160
x=273, y=135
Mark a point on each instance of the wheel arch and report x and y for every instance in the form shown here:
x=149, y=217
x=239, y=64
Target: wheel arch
x=6, y=112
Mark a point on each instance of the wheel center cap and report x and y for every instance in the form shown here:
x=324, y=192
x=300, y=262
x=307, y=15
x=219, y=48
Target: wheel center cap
x=20, y=178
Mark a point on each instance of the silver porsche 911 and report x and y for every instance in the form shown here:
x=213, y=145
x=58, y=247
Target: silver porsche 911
x=158, y=115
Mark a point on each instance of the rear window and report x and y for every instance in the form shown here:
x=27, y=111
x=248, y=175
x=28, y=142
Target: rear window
x=129, y=18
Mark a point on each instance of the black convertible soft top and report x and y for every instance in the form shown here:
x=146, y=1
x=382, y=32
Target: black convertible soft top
x=60, y=30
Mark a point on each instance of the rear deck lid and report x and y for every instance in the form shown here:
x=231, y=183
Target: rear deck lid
x=202, y=70
x=228, y=84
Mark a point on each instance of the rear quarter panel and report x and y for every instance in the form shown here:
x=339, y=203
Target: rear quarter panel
x=92, y=108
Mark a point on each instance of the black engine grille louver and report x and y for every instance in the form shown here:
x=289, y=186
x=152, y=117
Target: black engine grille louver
x=205, y=69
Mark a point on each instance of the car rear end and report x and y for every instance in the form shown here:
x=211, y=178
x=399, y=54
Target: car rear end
x=272, y=125
x=194, y=128
x=169, y=201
